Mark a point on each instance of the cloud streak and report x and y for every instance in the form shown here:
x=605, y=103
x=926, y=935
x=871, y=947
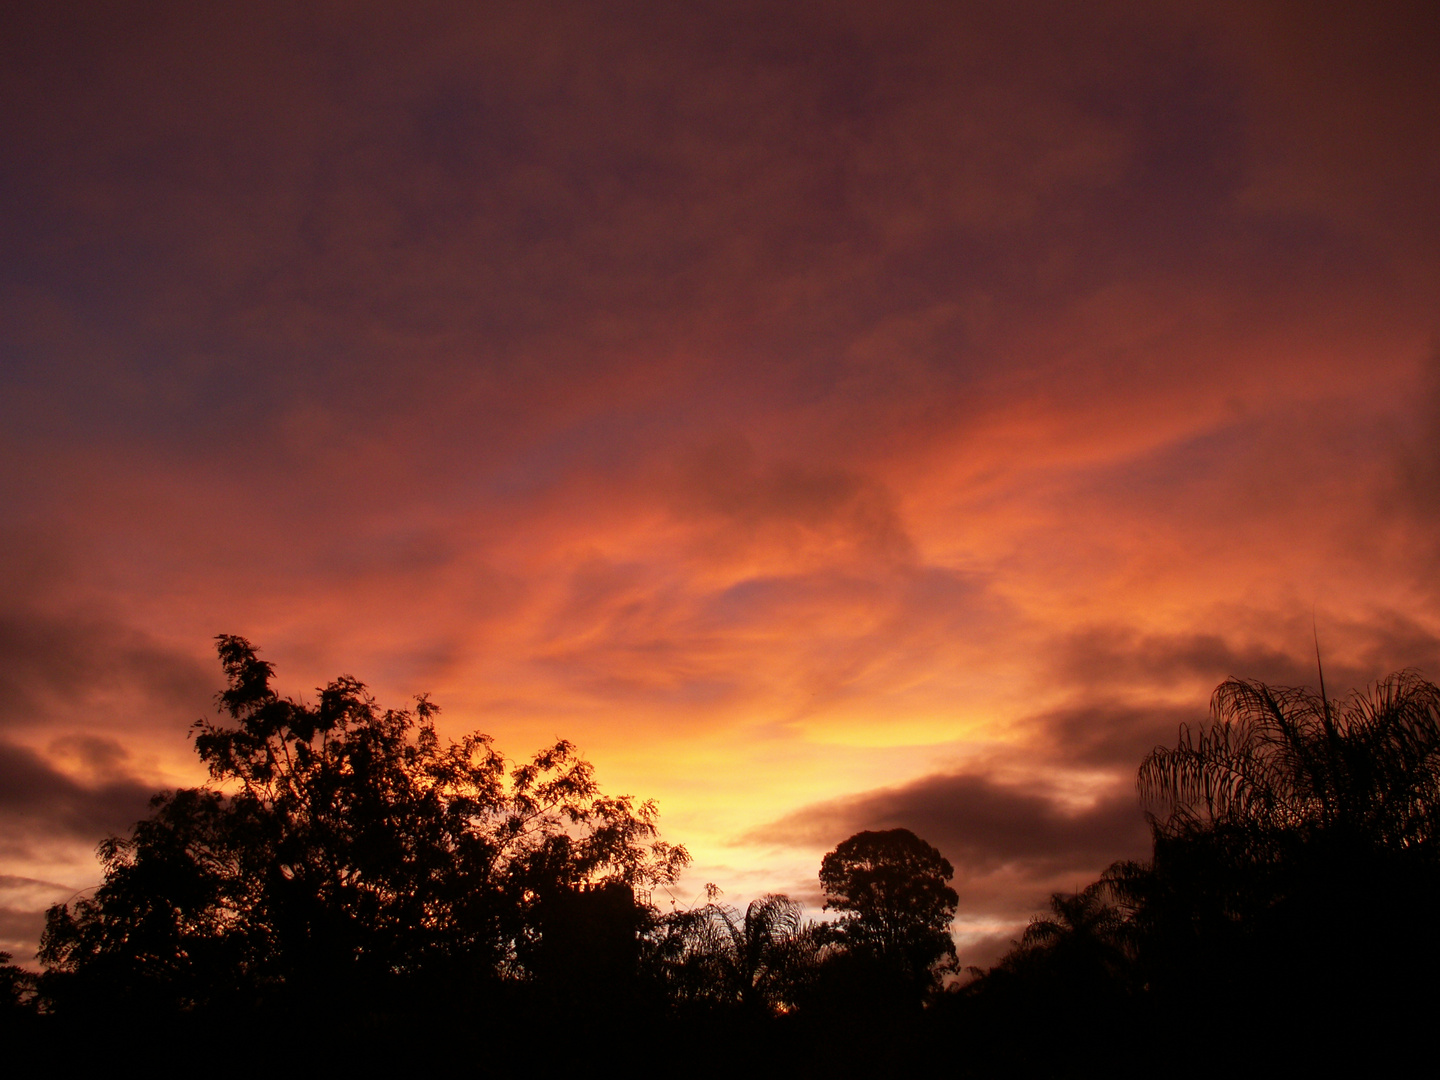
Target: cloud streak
x=1011, y=845
x=826, y=414
x=39, y=799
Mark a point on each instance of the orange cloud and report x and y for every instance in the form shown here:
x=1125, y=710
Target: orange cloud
x=793, y=406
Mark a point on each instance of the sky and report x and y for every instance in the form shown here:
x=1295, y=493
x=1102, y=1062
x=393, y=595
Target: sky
x=828, y=416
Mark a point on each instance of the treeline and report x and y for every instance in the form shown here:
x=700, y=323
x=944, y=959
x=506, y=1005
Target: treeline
x=350, y=884
x=1286, y=918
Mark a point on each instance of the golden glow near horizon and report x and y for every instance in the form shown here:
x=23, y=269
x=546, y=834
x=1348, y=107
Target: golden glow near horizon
x=820, y=435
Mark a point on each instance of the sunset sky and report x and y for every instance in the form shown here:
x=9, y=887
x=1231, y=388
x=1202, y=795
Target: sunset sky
x=828, y=415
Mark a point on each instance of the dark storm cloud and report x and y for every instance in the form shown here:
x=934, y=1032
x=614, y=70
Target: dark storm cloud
x=1389, y=640
x=23, y=902
x=1123, y=656
x=1009, y=845
x=1111, y=735
x=20, y=932
x=1360, y=650
x=55, y=666
x=985, y=950
x=72, y=683
x=1416, y=452
x=75, y=661
x=1107, y=729
x=39, y=804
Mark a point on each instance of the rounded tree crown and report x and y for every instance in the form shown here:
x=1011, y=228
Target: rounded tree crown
x=892, y=884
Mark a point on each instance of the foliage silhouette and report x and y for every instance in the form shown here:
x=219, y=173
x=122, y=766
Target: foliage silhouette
x=1293, y=837
x=759, y=961
x=343, y=853
x=1086, y=933
x=1276, y=759
x=1287, y=821
x=896, y=902
x=1065, y=994
x=343, y=861
x=17, y=986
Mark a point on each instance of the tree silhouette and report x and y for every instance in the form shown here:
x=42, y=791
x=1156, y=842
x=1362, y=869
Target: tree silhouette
x=1282, y=920
x=1281, y=758
x=716, y=956
x=1085, y=931
x=1075, y=968
x=17, y=987
x=1289, y=816
x=1293, y=835
x=343, y=852
x=896, y=902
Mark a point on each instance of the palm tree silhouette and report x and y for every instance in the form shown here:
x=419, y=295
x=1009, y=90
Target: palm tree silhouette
x=1284, y=758
x=1087, y=921
x=751, y=960
x=760, y=945
x=1292, y=835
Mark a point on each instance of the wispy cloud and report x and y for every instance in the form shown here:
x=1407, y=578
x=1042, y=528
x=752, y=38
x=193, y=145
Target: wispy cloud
x=831, y=414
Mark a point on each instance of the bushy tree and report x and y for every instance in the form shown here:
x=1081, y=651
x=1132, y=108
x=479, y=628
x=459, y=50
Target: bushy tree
x=1295, y=841
x=892, y=889
x=1280, y=922
x=758, y=961
x=342, y=851
x=17, y=987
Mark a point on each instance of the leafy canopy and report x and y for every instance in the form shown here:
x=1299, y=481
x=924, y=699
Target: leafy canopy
x=893, y=890
x=338, y=844
x=1285, y=758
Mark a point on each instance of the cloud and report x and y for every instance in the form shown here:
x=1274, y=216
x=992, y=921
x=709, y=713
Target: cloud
x=1356, y=648
x=41, y=805
x=1111, y=735
x=68, y=660
x=753, y=502
x=23, y=902
x=490, y=210
x=983, y=950
x=20, y=933
x=1414, y=488
x=863, y=375
x=1124, y=657
x=1010, y=845
x=1130, y=690
x=63, y=667
x=1386, y=641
